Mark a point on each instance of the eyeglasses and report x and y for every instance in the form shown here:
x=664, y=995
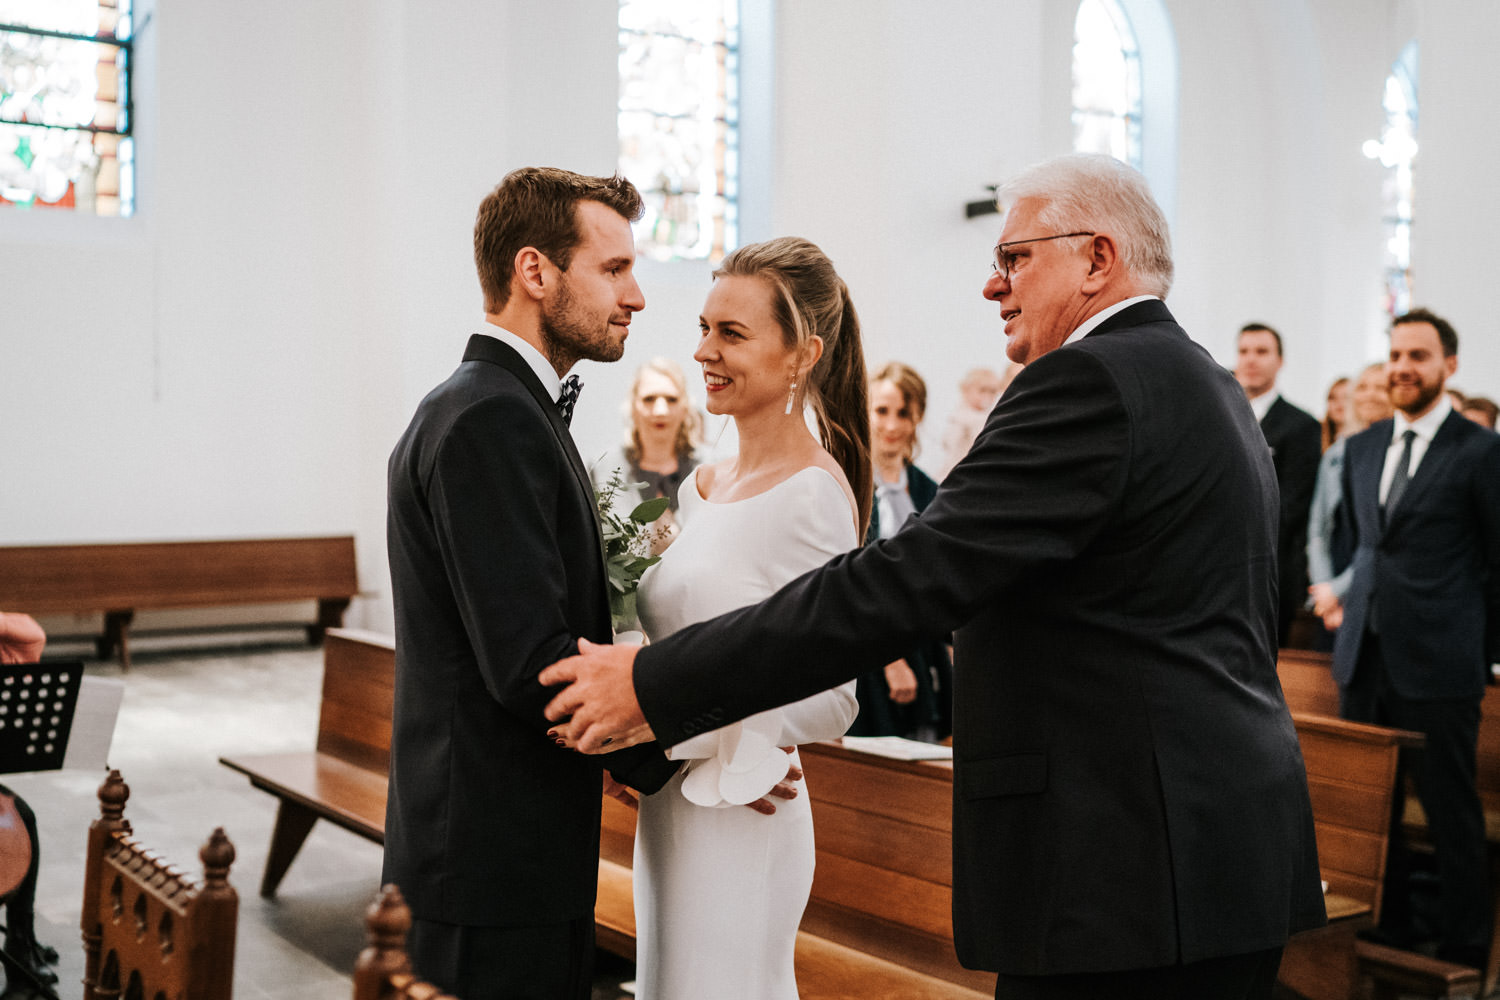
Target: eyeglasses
x=1005, y=260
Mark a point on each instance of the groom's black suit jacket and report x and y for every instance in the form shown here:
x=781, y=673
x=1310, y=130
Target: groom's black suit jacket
x=1128, y=787
x=496, y=567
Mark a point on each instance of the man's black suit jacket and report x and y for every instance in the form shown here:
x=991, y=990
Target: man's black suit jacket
x=1296, y=441
x=496, y=567
x=1128, y=787
x=1431, y=570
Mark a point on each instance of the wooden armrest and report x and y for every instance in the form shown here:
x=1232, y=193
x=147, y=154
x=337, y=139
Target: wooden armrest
x=1418, y=973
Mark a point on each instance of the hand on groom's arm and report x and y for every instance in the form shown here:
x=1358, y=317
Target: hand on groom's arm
x=597, y=712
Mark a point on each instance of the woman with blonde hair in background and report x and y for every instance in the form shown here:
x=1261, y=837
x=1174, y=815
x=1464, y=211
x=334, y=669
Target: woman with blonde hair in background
x=719, y=892
x=1327, y=541
x=663, y=432
x=912, y=696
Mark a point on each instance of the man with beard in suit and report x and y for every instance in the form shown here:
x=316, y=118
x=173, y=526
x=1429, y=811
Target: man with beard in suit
x=1131, y=816
x=492, y=830
x=1421, y=617
x=1296, y=447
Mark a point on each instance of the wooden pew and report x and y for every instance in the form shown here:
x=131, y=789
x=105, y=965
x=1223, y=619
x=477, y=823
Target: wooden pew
x=1307, y=681
x=383, y=970
x=148, y=931
x=343, y=779
x=120, y=579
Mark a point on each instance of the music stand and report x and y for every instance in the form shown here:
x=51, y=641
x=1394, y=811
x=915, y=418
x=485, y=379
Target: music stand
x=37, y=705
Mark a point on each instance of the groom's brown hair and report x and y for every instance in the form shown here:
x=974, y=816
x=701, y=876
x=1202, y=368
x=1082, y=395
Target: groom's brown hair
x=537, y=207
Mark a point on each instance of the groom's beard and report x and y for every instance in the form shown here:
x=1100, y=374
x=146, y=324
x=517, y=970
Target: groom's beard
x=570, y=334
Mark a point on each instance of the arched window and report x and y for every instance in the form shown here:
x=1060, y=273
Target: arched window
x=1396, y=150
x=65, y=105
x=1106, y=82
x=679, y=129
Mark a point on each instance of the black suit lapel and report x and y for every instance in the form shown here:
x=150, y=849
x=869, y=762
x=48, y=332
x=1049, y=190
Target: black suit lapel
x=486, y=348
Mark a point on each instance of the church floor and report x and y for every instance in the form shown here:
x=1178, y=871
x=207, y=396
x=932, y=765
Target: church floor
x=186, y=704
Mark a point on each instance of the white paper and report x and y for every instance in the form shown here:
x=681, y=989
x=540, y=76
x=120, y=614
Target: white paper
x=93, y=723
x=898, y=748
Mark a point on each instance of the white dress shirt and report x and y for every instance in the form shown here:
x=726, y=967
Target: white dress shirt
x=1426, y=426
x=1261, y=405
x=545, y=373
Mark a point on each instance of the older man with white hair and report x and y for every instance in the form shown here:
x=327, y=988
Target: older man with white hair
x=1131, y=816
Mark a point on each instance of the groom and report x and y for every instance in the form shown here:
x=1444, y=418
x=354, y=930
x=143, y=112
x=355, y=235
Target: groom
x=1131, y=815
x=492, y=830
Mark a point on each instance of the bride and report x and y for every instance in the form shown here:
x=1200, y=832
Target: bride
x=719, y=891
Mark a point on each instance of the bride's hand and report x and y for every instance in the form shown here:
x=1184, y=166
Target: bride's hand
x=786, y=788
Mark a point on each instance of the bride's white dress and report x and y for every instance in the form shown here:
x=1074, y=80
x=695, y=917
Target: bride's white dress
x=719, y=888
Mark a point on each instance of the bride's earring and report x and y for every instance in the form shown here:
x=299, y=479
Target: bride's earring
x=791, y=395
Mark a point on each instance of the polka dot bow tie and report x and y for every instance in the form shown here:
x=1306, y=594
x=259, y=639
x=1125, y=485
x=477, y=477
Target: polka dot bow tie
x=571, y=387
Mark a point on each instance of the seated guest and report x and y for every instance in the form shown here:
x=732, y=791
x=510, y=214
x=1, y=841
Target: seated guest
x=1335, y=411
x=1293, y=435
x=1480, y=409
x=912, y=696
x=1327, y=540
x=663, y=431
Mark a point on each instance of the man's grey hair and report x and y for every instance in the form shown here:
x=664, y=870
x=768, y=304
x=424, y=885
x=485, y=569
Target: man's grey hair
x=1091, y=192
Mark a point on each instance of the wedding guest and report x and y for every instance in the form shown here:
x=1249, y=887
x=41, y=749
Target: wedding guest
x=719, y=892
x=978, y=391
x=1131, y=815
x=1421, y=620
x=663, y=433
x=1482, y=410
x=1293, y=436
x=1335, y=411
x=1328, y=549
x=21, y=638
x=912, y=696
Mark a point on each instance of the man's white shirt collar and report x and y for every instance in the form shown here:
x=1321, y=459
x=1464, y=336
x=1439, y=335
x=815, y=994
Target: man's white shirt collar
x=1261, y=405
x=1091, y=324
x=545, y=373
x=1426, y=425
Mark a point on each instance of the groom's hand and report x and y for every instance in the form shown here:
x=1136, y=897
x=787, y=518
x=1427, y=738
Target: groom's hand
x=599, y=697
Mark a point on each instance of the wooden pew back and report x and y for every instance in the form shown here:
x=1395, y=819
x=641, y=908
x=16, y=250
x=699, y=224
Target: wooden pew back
x=148, y=930
x=359, y=691
x=50, y=579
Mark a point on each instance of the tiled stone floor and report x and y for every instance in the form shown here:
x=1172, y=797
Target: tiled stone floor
x=185, y=705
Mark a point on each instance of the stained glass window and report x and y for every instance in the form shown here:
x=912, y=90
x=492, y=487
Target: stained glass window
x=65, y=105
x=678, y=120
x=1106, y=83
x=1397, y=150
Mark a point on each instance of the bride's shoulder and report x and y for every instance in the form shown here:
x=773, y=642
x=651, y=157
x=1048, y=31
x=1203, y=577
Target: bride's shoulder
x=825, y=476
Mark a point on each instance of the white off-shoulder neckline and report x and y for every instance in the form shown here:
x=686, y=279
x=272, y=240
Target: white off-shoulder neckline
x=697, y=493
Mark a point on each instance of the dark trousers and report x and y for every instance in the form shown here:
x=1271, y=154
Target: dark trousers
x=547, y=962
x=1234, y=977
x=1444, y=772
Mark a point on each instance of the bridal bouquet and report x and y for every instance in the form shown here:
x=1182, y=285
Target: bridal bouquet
x=627, y=547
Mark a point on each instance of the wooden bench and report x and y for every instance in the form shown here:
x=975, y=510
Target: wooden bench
x=148, y=931
x=120, y=579
x=344, y=778
x=1307, y=681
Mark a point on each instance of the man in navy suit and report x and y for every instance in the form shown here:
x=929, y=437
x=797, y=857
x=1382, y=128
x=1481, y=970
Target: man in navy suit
x=492, y=831
x=1421, y=619
x=1131, y=816
x=1295, y=439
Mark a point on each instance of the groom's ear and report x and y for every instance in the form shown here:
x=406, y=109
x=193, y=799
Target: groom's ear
x=529, y=273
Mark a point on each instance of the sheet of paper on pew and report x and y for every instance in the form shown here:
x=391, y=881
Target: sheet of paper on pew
x=52, y=717
x=898, y=748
